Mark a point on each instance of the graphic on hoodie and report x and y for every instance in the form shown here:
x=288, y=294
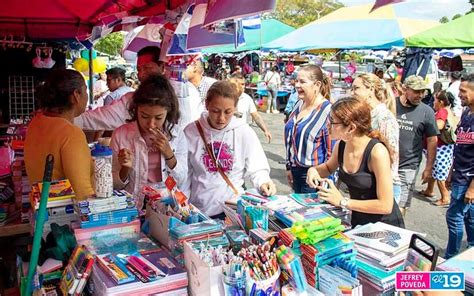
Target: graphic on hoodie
x=224, y=155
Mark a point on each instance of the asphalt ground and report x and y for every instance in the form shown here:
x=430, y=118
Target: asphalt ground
x=421, y=217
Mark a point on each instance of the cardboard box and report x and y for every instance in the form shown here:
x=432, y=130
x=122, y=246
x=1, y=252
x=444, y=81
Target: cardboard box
x=202, y=279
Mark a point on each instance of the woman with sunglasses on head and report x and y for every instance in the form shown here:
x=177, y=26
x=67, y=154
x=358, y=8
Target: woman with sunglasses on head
x=307, y=138
x=364, y=166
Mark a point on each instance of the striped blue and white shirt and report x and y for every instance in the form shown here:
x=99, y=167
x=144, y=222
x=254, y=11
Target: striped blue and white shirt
x=308, y=142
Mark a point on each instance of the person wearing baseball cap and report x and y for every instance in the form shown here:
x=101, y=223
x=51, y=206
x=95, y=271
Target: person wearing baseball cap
x=416, y=121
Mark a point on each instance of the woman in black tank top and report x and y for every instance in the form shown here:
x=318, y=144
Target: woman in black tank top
x=364, y=166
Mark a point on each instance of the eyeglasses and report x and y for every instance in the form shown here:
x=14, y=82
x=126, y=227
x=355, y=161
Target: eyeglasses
x=331, y=121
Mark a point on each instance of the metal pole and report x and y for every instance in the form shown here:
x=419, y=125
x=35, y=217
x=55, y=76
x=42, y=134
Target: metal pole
x=91, y=78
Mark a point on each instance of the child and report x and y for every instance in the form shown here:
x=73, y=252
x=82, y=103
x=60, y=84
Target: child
x=151, y=146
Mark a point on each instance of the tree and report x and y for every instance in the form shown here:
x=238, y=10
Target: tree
x=456, y=16
x=444, y=20
x=111, y=44
x=297, y=13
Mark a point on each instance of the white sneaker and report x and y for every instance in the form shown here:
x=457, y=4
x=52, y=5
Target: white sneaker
x=268, y=111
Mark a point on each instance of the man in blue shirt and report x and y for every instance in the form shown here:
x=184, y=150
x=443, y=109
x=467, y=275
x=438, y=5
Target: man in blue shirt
x=461, y=209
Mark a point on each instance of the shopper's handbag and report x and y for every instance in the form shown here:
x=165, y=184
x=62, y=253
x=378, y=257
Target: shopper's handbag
x=448, y=133
x=267, y=82
x=214, y=160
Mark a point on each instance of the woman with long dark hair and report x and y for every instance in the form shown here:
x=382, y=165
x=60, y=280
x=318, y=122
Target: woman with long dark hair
x=151, y=146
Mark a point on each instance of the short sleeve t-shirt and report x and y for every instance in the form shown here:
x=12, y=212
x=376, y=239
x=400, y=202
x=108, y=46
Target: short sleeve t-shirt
x=246, y=106
x=463, y=159
x=415, y=123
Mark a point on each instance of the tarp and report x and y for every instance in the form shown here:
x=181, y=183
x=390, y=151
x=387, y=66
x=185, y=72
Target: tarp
x=270, y=29
x=66, y=19
x=353, y=28
x=458, y=33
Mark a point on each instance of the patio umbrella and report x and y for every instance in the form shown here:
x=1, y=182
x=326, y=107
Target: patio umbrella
x=353, y=27
x=458, y=33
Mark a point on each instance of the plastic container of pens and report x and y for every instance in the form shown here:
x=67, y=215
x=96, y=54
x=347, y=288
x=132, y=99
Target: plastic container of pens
x=234, y=286
x=264, y=285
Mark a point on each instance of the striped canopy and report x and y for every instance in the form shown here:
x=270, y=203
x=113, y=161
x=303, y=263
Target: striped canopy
x=353, y=28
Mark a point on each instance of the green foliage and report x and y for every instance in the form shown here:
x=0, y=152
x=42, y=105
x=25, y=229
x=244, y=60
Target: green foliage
x=456, y=16
x=111, y=44
x=297, y=13
x=444, y=20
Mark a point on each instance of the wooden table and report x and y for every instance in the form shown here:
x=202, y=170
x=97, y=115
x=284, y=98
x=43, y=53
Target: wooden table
x=14, y=229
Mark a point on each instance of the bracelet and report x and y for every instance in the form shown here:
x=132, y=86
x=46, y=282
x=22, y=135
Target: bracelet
x=170, y=158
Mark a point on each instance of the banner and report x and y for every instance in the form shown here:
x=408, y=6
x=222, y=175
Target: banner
x=220, y=10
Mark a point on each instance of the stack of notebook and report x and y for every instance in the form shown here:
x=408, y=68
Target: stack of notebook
x=337, y=247
x=381, y=252
x=95, y=212
x=168, y=277
x=463, y=262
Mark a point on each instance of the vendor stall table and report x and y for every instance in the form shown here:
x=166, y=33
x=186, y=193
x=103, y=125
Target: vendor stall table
x=14, y=229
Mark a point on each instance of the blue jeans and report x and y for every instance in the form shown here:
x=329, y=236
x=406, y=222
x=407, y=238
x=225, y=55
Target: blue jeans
x=397, y=192
x=459, y=215
x=299, y=180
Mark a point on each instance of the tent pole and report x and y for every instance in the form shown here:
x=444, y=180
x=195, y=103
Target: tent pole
x=91, y=78
x=339, y=58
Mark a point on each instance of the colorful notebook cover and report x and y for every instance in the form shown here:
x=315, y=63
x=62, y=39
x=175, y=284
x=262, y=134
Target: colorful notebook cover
x=382, y=237
x=307, y=199
x=463, y=262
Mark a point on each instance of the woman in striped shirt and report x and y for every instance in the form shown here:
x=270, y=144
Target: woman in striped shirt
x=307, y=137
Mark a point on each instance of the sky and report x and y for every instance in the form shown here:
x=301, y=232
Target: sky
x=423, y=9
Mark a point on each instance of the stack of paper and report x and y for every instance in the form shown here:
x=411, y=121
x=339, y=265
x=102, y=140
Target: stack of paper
x=174, y=279
x=338, y=246
x=381, y=252
x=95, y=212
x=463, y=262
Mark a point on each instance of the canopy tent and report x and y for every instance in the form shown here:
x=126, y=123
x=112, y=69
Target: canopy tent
x=66, y=19
x=458, y=33
x=353, y=28
x=269, y=30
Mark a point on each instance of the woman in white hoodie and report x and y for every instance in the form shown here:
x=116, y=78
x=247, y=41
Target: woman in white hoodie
x=151, y=146
x=222, y=150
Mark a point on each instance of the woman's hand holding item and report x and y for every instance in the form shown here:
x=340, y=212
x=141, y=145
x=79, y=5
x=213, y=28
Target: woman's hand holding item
x=160, y=142
x=312, y=177
x=268, y=188
x=329, y=193
x=125, y=158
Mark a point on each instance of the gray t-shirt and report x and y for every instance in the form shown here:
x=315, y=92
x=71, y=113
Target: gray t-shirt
x=416, y=123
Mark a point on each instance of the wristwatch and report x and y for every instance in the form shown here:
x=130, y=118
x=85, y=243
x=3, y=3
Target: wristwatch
x=344, y=202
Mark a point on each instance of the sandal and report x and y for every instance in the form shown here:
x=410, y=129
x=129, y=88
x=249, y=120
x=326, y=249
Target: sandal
x=423, y=192
x=440, y=203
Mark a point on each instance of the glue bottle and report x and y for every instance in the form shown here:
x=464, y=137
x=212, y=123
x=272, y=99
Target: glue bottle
x=102, y=156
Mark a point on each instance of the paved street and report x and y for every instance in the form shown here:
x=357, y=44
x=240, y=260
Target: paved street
x=422, y=217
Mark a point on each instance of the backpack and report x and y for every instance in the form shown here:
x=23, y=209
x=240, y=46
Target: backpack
x=448, y=133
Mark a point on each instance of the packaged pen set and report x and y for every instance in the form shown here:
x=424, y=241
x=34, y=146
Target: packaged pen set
x=77, y=272
x=252, y=216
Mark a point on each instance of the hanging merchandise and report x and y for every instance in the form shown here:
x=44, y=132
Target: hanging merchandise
x=218, y=11
x=179, y=38
x=290, y=67
x=82, y=64
x=45, y=63
x=199, y=37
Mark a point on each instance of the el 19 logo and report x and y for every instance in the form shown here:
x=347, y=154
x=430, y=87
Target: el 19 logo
x=447, y=280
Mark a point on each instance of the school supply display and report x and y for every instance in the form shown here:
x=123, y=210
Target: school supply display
x=77, y=272
x=260, y=236
x=61, y=194
x=307, y=199
x=236, y=238
x=337, y=281
x=461, y=263
x=170, y=277
x=336, y=247
x=313, y=231
x=291, y=266
x=381, y=252
x=417, y=258
x=235, y=278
